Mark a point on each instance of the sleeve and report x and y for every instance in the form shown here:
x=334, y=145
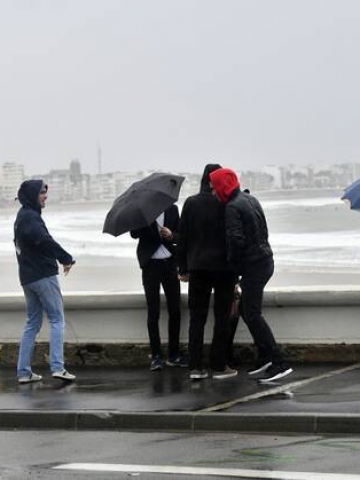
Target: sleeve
x=182, y=243
x=175, y=226
x=235, y=238
x=147, y=234
x=38, y=234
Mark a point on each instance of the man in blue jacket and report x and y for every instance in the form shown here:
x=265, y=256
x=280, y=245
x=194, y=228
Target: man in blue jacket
x=37, y=255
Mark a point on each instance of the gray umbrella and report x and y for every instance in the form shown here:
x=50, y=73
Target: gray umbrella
x=142, y=203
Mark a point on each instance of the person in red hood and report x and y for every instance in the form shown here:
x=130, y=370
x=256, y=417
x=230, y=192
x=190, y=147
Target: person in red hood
x=250, y=254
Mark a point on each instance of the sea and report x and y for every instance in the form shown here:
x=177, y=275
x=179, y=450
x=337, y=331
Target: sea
x=314, y=235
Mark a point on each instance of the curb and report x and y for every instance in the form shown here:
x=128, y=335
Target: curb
x=124, y=355
x=179, y=421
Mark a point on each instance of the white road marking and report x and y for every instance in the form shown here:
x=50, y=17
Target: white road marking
x=280, y=389
x=225, y=472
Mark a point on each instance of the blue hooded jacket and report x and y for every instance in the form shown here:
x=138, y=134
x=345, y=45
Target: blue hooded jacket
x=36, y=251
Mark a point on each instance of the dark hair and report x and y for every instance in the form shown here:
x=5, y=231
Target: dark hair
x=205, y=180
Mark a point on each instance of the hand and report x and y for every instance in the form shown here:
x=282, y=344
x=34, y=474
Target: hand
x=67, y=268
x=184, y=277
x=166, y=233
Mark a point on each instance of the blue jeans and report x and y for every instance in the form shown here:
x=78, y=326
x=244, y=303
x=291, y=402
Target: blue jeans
x=42, y=295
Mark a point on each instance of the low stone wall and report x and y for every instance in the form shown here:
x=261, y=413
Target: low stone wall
x=312, y=324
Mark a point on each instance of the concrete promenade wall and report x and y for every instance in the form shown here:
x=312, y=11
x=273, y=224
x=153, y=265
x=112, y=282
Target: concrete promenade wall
x=311, y=324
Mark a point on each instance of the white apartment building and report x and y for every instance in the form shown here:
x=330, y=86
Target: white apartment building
x=11, y=176
x=276, y=173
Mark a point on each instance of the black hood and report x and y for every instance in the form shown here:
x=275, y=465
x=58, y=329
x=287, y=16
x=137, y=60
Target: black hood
x=28, y=194
x=205, y=181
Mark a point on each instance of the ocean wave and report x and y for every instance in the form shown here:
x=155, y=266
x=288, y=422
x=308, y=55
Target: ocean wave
x=77, y=249
x=313, y=241
x=301, y=203
x=80, y=233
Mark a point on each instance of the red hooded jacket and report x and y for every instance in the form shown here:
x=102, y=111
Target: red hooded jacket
x=224, y=182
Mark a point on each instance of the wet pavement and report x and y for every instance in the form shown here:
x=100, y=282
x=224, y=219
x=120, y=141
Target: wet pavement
x=310, y=392
x=138, y=389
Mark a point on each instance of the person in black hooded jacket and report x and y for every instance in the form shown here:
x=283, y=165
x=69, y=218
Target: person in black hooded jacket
x=37, y=255
x=201, y=255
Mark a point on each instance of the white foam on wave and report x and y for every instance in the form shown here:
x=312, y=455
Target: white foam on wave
x=82, y=249
x=301, y=202
x=334, y=239
x=79, y=231
x=326, y=249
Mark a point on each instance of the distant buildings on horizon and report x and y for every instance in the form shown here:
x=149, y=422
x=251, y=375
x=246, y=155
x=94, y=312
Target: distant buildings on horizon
x=67, y=185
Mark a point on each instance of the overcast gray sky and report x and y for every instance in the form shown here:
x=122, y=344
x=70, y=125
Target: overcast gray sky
x=173, y=84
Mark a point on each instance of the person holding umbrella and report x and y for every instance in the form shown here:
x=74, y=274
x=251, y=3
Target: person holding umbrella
x=147, y=210
x=156, y=255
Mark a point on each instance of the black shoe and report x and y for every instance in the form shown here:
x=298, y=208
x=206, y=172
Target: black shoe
x=259, y=367
x=234, y=361
x=157, y=363
x=198, y=374
x=178, y=361
x=226, y=373
x=275, y=372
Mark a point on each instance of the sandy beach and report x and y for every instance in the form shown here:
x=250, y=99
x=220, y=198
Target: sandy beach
x=88, y=274
x=124, y=275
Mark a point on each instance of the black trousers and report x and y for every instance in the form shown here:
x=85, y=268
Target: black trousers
x=154, y=274
x=252, y=285
x=233, y=325
x=201, y=284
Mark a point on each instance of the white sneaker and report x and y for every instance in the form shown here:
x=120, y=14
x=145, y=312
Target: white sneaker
x=34, y=377
x=64, y=375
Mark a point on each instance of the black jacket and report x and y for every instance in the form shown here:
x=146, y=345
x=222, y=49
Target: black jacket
x=246, y=232
x=36, y=250
x=150, y=239
x=201, y=239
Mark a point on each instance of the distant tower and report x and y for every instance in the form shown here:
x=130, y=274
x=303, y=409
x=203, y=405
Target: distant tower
x=75, y=168
x=99, y=159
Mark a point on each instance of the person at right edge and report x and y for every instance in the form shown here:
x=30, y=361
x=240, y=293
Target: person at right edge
x=250, y=254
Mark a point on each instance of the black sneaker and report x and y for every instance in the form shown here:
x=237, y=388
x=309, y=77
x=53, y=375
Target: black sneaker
x=178, y=361
x=260, y=366
x=234, y=362
x=157, y=363
x=275, y=372
x=198, y=374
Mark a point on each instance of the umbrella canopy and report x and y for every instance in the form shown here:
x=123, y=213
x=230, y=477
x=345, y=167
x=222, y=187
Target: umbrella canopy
x=351, y=195
x=142, y=203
